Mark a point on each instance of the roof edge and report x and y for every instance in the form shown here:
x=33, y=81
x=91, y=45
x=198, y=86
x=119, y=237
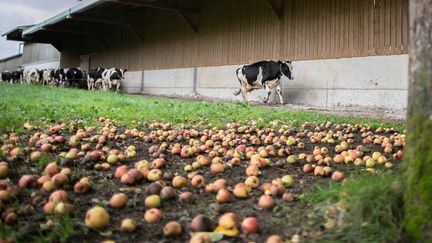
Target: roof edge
x=63, y=15
x=10, y=57
x=20, y=27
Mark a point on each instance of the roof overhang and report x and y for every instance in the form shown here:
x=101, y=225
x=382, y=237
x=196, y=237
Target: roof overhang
x=63, y=16
x=15, y=34
x=94, y=17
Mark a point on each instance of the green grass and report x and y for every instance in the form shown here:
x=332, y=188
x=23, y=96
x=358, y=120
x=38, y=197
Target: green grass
x=372, y=205
x=36, y=104
x=62, y=229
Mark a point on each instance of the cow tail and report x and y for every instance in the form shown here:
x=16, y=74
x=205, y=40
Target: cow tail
x=237, y=92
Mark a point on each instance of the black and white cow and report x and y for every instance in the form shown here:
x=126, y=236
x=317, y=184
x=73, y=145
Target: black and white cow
x=47, y=76
x=94, y=78
x=58, y=77
x=264, y=74
x=12, y=77
x=73, y=77
x=6, y=77
x=32, y=76
x=112, y=77
x=17, y=76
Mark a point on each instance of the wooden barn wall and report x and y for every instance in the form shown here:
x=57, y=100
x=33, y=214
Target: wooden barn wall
x=244, y=31
x=315, y=29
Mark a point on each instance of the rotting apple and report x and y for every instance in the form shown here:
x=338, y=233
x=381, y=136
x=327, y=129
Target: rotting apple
x=201, y=223
x=172, y=228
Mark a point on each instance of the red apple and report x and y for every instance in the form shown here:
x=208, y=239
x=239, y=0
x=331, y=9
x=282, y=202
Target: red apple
x=266, y=201
x=52, y=169
x=59, y=196
x=197, y=181
x=26, y=180
x=153, y=215
x=118, y=200
x=120, y=171
x=249, y=225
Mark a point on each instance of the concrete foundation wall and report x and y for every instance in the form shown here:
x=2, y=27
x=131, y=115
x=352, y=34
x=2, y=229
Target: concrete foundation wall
x=376, y=81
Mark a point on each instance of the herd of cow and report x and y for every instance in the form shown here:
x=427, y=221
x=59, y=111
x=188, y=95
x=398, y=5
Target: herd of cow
x=105, y=79
x=263, y=74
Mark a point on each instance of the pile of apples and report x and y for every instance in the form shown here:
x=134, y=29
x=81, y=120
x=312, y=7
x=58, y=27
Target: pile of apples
x=320, y=150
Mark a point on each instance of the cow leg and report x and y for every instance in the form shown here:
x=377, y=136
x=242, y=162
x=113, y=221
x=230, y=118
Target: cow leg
x=279, y=92
x=244, y=93
x=268, y=90
x=110, y=83
x=104, y=85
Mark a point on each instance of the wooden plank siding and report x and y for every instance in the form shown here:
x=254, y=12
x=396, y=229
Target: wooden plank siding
x=344, y=28
x=243, y=31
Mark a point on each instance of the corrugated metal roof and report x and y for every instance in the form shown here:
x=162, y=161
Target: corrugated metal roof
x=63, y=15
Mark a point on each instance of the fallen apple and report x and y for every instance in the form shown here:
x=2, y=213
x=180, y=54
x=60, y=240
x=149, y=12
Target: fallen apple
x=266, y=201
x=118, y=200
x=227, y=221
x=128, y=225
x=337, y=176
x=4, y=171
x=172, y=228
x=201, y=223
x=153, y=215
x=152, y=201
x=97, y=218
x=249, y=225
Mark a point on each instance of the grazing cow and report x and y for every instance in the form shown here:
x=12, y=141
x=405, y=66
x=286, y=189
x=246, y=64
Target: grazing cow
x=112, y=76
x=73, y=77
x=58, y=76
x=264, y=74
x=94, y=77
x=47, y=75
x=32, y=76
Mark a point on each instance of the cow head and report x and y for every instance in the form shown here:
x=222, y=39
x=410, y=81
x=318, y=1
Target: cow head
x=122, y=72
x=286, y=69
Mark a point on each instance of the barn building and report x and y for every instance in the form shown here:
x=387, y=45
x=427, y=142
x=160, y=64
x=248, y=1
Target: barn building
x=11, y=63
x=346, y=53
x=34, y=55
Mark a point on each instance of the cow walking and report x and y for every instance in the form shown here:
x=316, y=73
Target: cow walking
x=73, y=77
x=112, y=77
x=94, y=78
x=47, y=76
x=33, y=76
x=58, y=77
x=264, y=74
x=6, y=77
